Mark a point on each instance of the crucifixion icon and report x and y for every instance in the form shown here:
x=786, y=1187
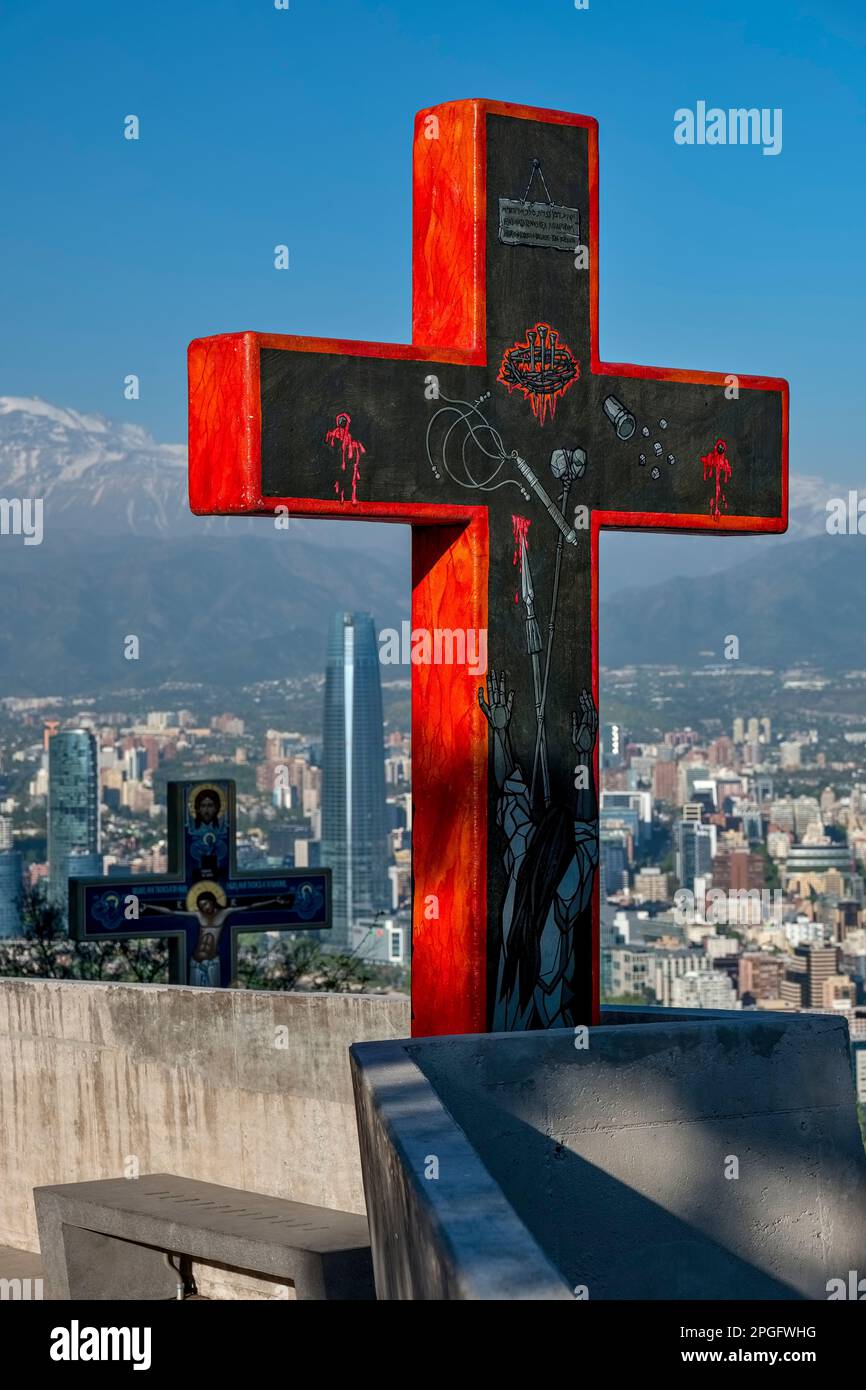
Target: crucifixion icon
x=204, y=902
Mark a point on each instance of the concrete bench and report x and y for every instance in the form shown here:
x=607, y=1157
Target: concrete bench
x=109, y=1239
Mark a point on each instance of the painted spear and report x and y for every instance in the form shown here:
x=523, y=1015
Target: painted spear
x=533, y=647
x=567, y=465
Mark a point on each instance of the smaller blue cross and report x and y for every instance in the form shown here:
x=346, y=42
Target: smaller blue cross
x=203, y=903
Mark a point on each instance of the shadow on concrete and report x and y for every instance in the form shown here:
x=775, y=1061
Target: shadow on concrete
x=619, y=1164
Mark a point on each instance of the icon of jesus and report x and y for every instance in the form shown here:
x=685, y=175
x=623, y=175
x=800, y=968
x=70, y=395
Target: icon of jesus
x=207, y=903
x=207, y=829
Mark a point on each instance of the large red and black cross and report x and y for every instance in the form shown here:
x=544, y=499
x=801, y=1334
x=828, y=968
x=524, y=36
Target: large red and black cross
x=506, y=443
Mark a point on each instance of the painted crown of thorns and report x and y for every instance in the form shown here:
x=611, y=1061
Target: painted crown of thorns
x=539, y=365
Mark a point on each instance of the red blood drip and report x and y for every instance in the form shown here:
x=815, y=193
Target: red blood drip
x=717, y=465
x=351, y=449
x=520, y=526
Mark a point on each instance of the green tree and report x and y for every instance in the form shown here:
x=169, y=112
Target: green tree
x=44, y=951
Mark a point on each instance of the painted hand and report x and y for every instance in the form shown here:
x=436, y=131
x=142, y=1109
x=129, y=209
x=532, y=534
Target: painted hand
x=584, y=729
x=497, y=706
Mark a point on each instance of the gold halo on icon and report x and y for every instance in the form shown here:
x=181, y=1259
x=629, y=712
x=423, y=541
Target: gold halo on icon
x=217, y=793
x=206, y=886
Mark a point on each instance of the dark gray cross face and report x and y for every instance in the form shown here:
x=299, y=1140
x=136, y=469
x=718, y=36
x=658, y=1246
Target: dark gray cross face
x=549, y=447
x=203, y=902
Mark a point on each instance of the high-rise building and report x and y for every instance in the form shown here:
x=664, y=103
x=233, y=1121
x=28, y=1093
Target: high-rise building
x=628, y=971
x=820, y=966
x=632, y=808
x=737, y=869
x=135, y=763
x=73, y=804
x=613, y=741
x=815, y=867
x=308, y=853
x=753, y=824
x=354, y=817
x=666, y=780
x=651, y=885
x=669, y=965
x=694, y=845
x=703, y=989
x=613, y=857
x=760, y=976
x=11, y=881
x=811, y=969
x=763, y=789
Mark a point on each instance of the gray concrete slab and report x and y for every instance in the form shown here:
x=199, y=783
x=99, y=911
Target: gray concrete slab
x=108, y=1239
x=19, y=1264
x=712, y=1157
x=21, y=1276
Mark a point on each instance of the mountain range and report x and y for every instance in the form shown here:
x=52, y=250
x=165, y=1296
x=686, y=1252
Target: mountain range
x=800, y=604
x=233, y=599
x=226, y=599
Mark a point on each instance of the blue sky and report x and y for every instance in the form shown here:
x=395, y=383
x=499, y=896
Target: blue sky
x=261, y=126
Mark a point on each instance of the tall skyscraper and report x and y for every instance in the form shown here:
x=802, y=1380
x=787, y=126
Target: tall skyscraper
x=73, y=804
x=354, y=825
x=694, y=845
x=11, y=876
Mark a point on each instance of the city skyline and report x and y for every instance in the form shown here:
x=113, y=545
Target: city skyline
x=280, y=798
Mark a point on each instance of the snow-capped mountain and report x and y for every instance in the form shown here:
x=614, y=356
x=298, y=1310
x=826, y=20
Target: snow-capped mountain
x=121, y=553
x=103, y=478
x=89, y=471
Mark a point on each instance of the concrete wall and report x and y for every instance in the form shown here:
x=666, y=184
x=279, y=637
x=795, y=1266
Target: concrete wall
x=615, y=1161
x=188, y=1081
x=444, y=1232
